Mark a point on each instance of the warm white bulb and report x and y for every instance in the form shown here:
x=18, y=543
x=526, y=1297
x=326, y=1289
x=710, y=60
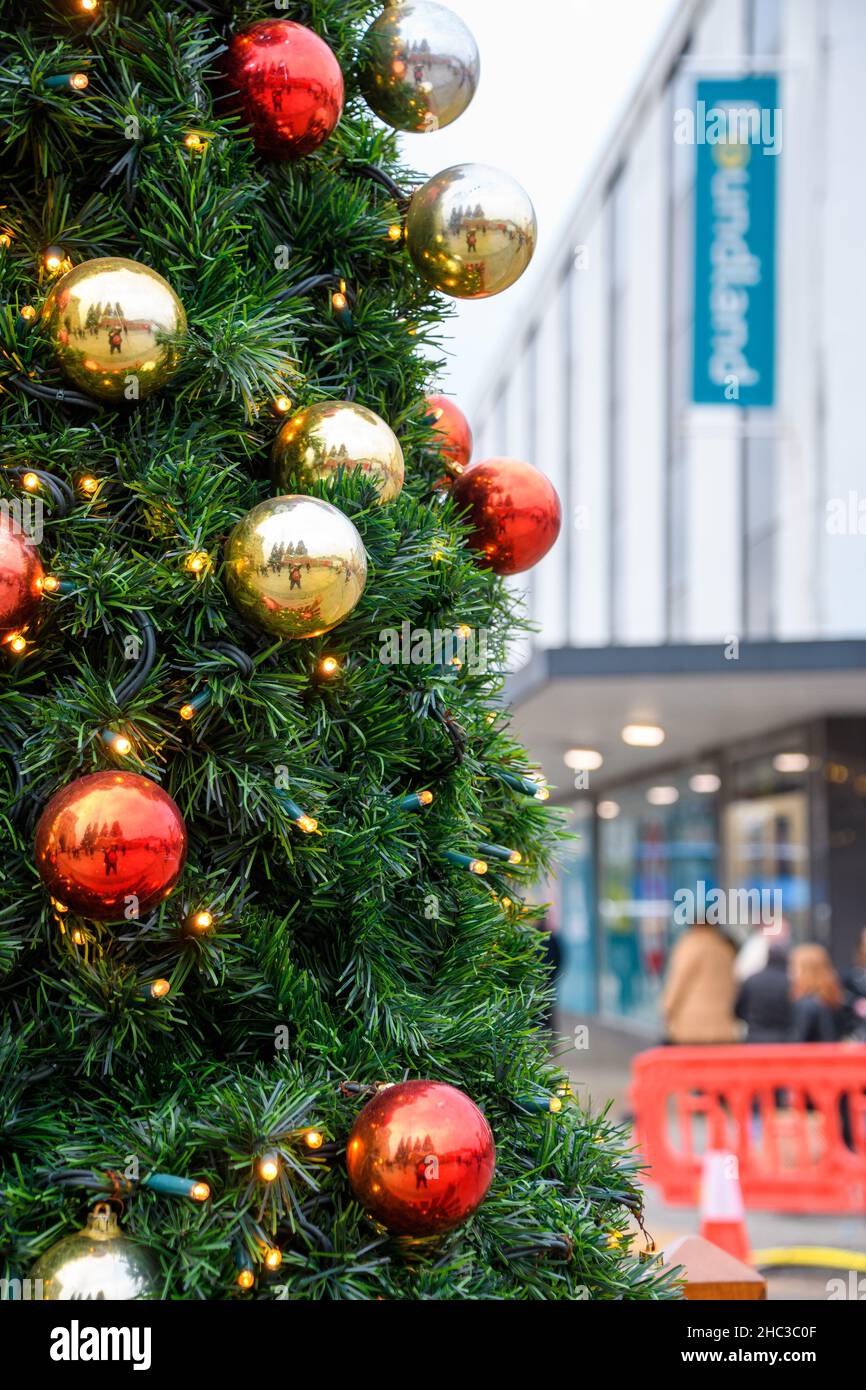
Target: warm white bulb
x=705, y=782
x=662, y=796
x=643, y=735
x=583, y=759
x=791, y=762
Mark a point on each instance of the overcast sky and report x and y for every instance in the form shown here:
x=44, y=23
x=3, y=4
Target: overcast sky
x=554, y=79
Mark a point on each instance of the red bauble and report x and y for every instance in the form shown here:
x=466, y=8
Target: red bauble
x=514, y=511
x=107, y=838
x=453, y=427
x=420, y=1157
x=20, y=576
x=290, y=85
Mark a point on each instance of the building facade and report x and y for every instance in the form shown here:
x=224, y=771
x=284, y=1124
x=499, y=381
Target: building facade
x=691, y=381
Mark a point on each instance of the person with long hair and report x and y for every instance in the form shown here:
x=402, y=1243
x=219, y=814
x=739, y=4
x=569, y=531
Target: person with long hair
x=817, y=999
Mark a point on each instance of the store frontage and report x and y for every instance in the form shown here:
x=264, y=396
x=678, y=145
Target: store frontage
x=762, y=835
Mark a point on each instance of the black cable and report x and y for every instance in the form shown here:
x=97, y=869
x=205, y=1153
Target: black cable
x=61, y=493
x=312, y=282
x=239, y=658
x=369, y=171
x=10, y=747
x=56, y=395
x=132, y=683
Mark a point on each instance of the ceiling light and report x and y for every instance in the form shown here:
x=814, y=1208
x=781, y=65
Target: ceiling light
x=662, y=796
x=643, y=735
x=583, y=759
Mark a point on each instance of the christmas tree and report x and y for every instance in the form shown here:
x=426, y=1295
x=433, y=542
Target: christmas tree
x=267, y=839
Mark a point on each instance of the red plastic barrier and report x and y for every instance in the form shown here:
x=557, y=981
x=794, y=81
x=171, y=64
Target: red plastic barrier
x=794, y=1115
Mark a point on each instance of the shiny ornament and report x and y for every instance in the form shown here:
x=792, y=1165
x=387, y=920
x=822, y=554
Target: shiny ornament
x=97, y=1262
x=290, y=86
x=514, y=511
x=110, y=319
x=21, y=576
x=295, y=566
x=418, y=66
x=420, y=1157
x=318, y=441
x=109, y=838
x=471, y=231
x=452, y=427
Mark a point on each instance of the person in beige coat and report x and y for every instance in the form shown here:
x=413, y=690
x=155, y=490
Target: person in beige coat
x=700, y=990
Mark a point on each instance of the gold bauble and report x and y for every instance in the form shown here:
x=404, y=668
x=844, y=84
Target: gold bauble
x=111, y=319
x=331, y=435
x=295, y=566
x=471, y=231
x=98, y=1262
x=418, y=66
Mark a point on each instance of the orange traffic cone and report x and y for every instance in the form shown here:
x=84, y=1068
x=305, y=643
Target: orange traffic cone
x=722, y=1216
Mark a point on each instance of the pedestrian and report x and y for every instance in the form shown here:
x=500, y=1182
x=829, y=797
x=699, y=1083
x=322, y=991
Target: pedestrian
x=817, y=1011
x=764, y=1000
x=755, y=950
x=699, y=993
x=854, y=981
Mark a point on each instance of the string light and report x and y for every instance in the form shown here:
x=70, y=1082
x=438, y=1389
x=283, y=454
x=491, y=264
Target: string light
x=72, y=81
x=30, y=481
x=27, y=313
x=171, y=1186
x=282, y=404
x=16, y=642
x=50, y=583
x=269, y=1167
x=509, y=856
x=194, y=141
x=190, y=708
x=554, y=1105
x=245, y=1279
x=466, y=861
x=88, y=6
x=314, y=1138
x=306, y=823
x=464, y=631
x=273, y=1257
x=527, y=785
x=159, y=989
x=197, y=561
x=55, y=259
x=118, y=743
x=5, y=240
x=328, y=666
x=201, y=921
x=79, y=937
x=88, y=484
x=340, y=305
x=395, y=232
x=414, y=801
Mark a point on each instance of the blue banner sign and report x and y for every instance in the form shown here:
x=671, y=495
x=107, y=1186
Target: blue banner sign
x=736, y=127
